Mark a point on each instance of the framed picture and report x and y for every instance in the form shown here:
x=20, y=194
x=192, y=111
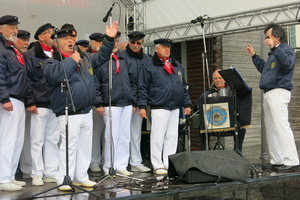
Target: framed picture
x=217, y=114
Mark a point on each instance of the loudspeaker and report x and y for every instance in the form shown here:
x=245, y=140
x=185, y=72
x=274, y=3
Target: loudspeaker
x=208, y=166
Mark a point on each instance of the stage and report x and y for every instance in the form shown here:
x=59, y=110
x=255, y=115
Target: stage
x=268, y=185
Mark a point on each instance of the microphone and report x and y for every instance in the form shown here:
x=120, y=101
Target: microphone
x=76, y=49
x=200, y=19
x=54, y=35
x=108, y=13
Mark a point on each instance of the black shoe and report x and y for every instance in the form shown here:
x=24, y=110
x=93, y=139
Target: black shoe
x=270, y=166
x=287, y=168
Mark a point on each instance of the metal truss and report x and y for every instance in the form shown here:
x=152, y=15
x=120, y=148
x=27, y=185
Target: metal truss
x=235, y=23
x=135, y=15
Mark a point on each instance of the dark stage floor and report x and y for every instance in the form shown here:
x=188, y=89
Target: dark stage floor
x=267, y=185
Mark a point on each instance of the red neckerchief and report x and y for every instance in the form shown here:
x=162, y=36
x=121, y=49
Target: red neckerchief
x=117, y=62
x=65, y=55
x=46, y=48
x=167, y=65
x=93, y=51
x=18, y=54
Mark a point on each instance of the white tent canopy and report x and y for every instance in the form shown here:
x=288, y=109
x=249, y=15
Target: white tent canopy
x=168, y=12
x=172, y=18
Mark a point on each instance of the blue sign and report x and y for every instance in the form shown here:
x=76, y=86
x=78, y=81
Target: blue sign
x=217, y=115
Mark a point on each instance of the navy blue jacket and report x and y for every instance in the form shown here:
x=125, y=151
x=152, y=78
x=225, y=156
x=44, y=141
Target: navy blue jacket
x=13, y=78
x=136, y=60
x=278, y=70
x=39, y=90
x=161, y=90
x=123, y=83
x=81, y=78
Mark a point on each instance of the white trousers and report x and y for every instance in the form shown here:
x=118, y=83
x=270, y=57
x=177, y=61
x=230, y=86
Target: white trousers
x=280, y=137
x=12, y=132
x=164, y=136
x=98, y=138
x=44, y=138
x=121, y=118
x=25, y=159
x=80, y=146
x=135, y=140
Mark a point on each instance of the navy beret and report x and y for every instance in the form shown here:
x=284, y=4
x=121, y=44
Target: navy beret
x=9, y=19
x=163, y=41
x=118, y=34
x=69, y=27
x=97, y=37
x=42, y=29
x=64, y=32
x=23, y=34
x=136, y=35
x=84, y=43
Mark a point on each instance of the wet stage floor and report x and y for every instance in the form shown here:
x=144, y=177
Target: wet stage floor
x=268, y=185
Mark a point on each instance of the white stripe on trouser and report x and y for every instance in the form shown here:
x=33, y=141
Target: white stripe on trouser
x=12, y=132
x=25, y=159
x=44, y=138
x=121, y=117
x=80, y=146
x=280, y=137
x=164, y=136
x=135, y=140
x=98, y=138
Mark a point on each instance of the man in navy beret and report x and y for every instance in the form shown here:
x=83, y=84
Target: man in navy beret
x=123, y=101
x=25, y=164
x=162, y=86
x=83, y=45
x=134, y=52
x=22, y=42
x=12, y=110
x=44, y=125
x=95, y=43
x=96, y=40
x=82, y=81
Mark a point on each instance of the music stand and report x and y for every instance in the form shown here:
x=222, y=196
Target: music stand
x=216, y=115
x=239, y=87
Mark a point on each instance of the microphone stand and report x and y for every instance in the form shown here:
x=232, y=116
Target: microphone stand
x=205, y=67
x=65, y=87
x=112, y=172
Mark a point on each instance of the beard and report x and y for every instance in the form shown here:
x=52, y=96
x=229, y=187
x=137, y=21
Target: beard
x=23, y=50
x=12, y=38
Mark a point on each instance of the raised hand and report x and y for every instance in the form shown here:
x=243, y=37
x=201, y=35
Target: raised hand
x=250, y=50
x=112, y=30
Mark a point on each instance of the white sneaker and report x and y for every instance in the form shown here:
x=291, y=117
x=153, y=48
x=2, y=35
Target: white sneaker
x=95, y=168
x=140, y=168
x=87, y=183
x=160, y=171
x=65, y=188
x=10, y=187
x=124, y=172
x=20, y=183
x=37, y=181
x=50, y=179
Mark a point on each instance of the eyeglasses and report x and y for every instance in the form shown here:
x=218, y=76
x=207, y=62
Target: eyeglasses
x=133, y=42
